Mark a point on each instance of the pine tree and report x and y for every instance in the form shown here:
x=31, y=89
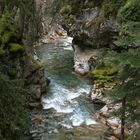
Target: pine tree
x=12, y=113
x=128, y=92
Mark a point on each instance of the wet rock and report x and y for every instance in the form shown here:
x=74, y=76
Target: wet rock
x=54, y=33
x=81, y=60
x=57, y=114
x=34, y=105
x=113, y=123
x=38, y=119
x=55, y=131
x=104, y=111
x=117, y=133
x=80, y=71
x=36, y=91
x=72, y=89
x=112, y=138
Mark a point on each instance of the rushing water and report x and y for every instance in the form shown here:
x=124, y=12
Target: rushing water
x=71, y=115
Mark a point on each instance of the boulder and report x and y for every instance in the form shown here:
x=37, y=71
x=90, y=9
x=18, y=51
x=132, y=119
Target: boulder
x=112, y=138
x=72, y=89
x=113, y=123
x=38, y=119
x=34, y=105
x=104, y=111
x=35, y=91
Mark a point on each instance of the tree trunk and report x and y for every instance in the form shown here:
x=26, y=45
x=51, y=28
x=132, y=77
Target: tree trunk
x=123, y=118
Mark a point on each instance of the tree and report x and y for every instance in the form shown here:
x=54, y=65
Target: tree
x=128, y=92
x=12, y=113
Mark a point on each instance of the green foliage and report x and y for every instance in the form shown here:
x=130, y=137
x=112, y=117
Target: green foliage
x=129, y=29
x=2, y=52
x=12, y=113
x=38, y=64
x=4, y=22
x=105, y=73
x=68, y=7
x=111, y=7
x=76, y=6
x=129, y=34
x=66, y=10
x=16, y=48
x=130, y=90
x=7, y=28
x=128, y=77
x=12, y=72
x=6, y=37
x=130, y=11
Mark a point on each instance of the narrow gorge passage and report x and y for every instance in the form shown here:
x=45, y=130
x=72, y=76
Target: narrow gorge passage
x=70, y=112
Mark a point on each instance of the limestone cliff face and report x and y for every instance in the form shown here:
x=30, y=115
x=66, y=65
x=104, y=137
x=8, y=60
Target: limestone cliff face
x=93, y=24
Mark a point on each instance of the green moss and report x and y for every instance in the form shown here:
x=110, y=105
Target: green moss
x=16, y=48
x=38, y=64
x=66, y=10
x=12, y=72
x=2, y=52
x=107, y=74
x=6, y=37
x=8, y=29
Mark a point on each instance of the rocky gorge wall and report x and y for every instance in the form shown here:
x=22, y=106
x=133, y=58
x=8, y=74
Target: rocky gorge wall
x=18, y=55
x=92, y=24
x=20, y=27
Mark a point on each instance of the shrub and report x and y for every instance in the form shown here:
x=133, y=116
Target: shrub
x=66, y=10
x=16, y=48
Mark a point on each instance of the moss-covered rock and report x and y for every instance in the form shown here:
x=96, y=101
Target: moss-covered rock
x=16, y=48
x=38, y=64
x=105, y=74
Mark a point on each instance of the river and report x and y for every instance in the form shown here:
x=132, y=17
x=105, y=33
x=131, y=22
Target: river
x=70, y=111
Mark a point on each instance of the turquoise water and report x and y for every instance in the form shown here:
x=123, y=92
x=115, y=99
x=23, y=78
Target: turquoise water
x=67, y=96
